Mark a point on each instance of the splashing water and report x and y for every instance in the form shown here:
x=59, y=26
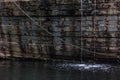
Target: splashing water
x=103, y=67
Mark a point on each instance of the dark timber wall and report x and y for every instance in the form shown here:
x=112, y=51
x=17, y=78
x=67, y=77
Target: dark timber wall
x=81, y=28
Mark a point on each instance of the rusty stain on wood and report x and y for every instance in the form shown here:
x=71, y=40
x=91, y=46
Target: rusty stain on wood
x=100, y=26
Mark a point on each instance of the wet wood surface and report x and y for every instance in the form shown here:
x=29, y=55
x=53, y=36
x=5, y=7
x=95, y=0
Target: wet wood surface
x=93, y=27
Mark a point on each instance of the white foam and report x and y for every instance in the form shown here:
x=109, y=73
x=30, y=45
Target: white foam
x=87, y=66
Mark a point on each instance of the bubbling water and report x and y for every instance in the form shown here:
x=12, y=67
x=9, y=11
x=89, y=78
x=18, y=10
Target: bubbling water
x=104, y=67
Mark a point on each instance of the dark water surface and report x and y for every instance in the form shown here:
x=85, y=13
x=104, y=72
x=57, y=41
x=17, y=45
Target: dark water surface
x=10, y=70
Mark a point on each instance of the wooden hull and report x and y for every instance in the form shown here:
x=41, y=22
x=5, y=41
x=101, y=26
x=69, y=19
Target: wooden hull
x=74, y=29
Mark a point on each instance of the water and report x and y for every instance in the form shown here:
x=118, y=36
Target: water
x=58, y=71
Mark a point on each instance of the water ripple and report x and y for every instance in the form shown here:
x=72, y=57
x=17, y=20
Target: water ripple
x=103, y=67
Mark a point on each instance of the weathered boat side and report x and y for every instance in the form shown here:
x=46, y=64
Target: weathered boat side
x=87, y=29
